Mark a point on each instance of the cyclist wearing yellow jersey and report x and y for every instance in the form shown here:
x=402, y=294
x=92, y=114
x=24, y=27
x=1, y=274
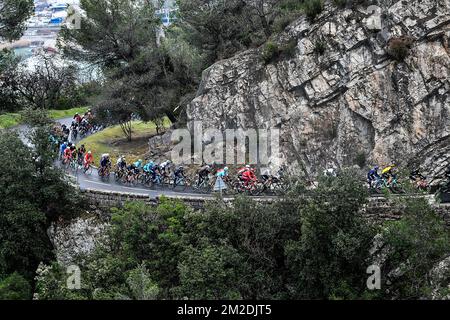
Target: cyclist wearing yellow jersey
x=388, y=173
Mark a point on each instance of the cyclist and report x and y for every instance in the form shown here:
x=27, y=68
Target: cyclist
x=67, y=155
x=133, y=170
x=222, y=173
x=138, y=165
x=418, y=179
x=88, y=159
x=148, y=168
x=248, y=176
x=77, y=118
x=105, y=163
x=388, y=173
x=81, y=153
x=416, y=175
x=121, y=163
x=179, y=175
x=165, y=166
x=241, y=172
x=203, y=173
x=62, y=149
x=373, y=176
x=88, y=114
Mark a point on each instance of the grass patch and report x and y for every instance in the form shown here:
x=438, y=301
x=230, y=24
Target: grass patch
x=59, y=114
x=9, y=120
x=112, y=141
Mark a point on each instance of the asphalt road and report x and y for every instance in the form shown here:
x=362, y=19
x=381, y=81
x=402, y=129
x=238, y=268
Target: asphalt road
x=94, y=182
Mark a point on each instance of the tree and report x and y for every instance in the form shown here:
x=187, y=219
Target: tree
x=32, y=194
x=15, y=287
x=13, y=14
x=112, y=33
x=47, y=85
x=141, y=285
x=329, y=258
x=141, y=79
x=8, y=66
x=51, y=284
x=23, y=238
x=413, y=245
x=209, y=273
x=220, y=29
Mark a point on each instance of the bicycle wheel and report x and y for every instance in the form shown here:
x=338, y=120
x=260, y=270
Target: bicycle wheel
x=196, y=185
x=118, y=176
x=165, y=182
x=185, y=183
x=256, y=189
x=142, y=179
x=88, y=170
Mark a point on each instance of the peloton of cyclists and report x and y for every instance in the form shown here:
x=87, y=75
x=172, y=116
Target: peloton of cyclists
x=388, y=174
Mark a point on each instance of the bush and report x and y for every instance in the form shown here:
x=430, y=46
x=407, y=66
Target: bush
x=398, y=48
x=15, y=287
x=345, y=3
x=313, y=8
x=270, y=52
x=282, y=22
x=340, y=3
x=320, y=47
x=289, y=48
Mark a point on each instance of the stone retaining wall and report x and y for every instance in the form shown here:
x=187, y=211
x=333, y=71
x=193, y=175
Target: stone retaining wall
x=378, y=209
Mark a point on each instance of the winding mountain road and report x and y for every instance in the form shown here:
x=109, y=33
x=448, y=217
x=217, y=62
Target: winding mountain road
x=94, y=182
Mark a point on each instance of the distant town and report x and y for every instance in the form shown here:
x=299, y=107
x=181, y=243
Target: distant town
x=50, y=16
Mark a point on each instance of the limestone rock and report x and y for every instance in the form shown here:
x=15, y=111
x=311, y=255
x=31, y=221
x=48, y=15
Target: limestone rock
x=350, y=102
x=77, y=236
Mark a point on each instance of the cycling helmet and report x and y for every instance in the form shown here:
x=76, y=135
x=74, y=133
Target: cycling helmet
x=89, y=152
x=248, y=166
x=225, y=169
x=376, y=167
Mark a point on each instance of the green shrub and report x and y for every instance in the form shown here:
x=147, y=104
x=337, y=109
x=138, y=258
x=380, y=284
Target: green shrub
x=289, y=48
x=15, y=287
x=282, y=22
x=320, y=47
x=313, y=8
x=340, y=3
x=345, y=3
x=398, y=48
x=270, y=52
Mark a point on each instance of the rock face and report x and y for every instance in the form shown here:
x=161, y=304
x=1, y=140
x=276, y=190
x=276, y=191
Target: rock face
x=77, y=236
x=351, y=104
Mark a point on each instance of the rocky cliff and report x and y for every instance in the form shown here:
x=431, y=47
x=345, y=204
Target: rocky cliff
x=340, y=93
